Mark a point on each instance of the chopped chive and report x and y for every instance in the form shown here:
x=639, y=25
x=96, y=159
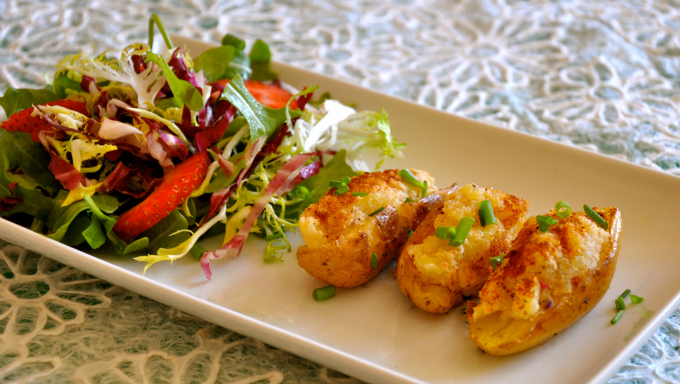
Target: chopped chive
x=346, y=180
x=445, y=233
x=617, y=317
x=374, y=261
x=324, y=293
x=361, y=194
x=636, y=299
x=409, y=232
x=376, y=211
x=620, y=305
x=342, y=190
x=544, y=222
x=464, y=226
x=408, y=200
x=596, y=217
x=301, y=192
x=485, y=211
x=496, y=261
x=424, y=193
x=409, y=178
x=336, y=184
x=274, y=236
x=562, y=209
x=625, y=293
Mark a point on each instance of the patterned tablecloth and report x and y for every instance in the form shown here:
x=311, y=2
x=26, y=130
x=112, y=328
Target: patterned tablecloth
x=602, y=75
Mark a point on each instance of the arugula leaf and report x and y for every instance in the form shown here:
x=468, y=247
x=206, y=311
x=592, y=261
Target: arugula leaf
x=74, y=236
x=15, y=100
x=61, y=218
x=263, y=120
x=63, y=82
x=136, y=245
x=33, y=201
x=31, y=157
x=319, y=184
x=119, y=246
x=215, y=62
x=234, y=41
x=182, y=89
x=161, y=234
x=260, y=58
x=94, y=234
x=170, y=102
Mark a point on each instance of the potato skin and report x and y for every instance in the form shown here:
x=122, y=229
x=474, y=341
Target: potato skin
x=562, y=273
x=341, y=237
x=435, y=276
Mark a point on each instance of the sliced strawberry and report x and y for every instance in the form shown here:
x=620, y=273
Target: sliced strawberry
x=174, y=188
x=22, y=121
x=269, y=95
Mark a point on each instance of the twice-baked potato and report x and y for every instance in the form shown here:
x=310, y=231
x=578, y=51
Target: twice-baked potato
x=435, y=275
x=547, y=282
x=343, y=232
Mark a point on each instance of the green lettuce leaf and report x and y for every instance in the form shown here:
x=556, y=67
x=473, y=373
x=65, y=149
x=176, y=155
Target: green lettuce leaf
x=214, y=62
x=13, y=147
x=61, y=218
x=31, y=157
x=234, y=41
x=94, y=234
x=260, y=58
x=15, y=100
x=162, y=235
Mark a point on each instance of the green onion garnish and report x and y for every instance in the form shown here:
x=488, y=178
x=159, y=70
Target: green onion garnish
x=408, y=200
x=376, y=211
x=443, y=233
x=464, y=226
x=301, y=192
x=596, y=217
x=617, y=317
x=361, y=194
x=496, y=261
x=374, y=261
x=625, y=293
x=485, y=211
x=342, y=190
x=274, y=236
x=410, y=178
x=636, y=299
x=340, y=185
x=544, y=222
x=409, y=232
x=562, y=209
x=323, y=293
x=620, y=305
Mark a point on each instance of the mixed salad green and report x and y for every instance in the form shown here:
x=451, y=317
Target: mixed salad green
x=148, y=152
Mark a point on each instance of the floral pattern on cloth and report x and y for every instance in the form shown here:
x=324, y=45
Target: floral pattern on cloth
x=603, y=75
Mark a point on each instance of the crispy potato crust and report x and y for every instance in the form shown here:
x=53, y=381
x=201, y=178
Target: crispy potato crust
x=436, y=276
x=547, y=282
x=341, y=235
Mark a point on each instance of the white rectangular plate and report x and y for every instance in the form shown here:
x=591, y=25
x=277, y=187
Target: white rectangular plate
x=373, y=332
